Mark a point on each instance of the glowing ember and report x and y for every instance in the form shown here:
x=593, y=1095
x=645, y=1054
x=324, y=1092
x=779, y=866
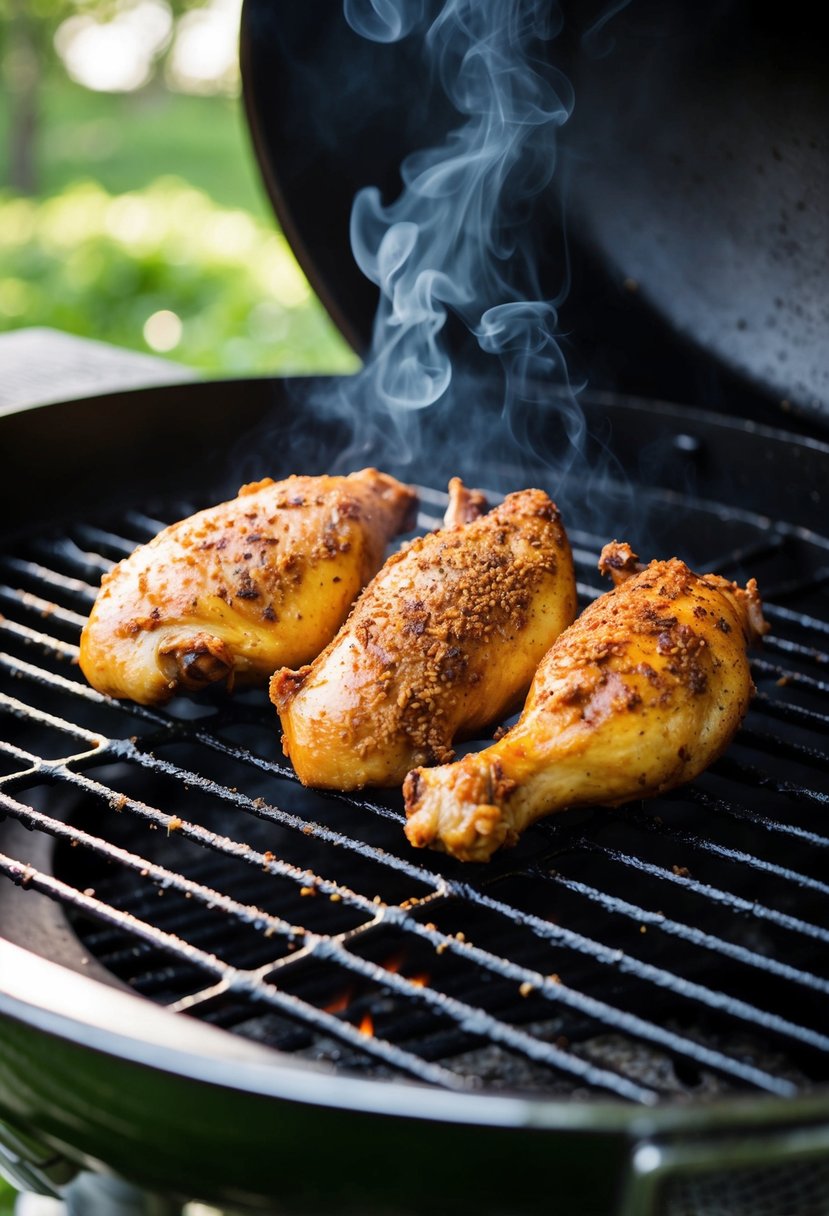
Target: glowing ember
x=339, y=1003
x=366, y=1026
x=394, y=962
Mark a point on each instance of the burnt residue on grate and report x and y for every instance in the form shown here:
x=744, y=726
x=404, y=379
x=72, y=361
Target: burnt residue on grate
x=675, y=947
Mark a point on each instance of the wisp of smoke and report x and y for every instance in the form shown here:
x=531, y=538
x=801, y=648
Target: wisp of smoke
x=457, y=242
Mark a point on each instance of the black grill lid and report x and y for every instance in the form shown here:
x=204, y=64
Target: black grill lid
x=695, y=168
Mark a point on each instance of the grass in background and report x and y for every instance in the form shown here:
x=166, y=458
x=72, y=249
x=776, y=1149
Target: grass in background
x=150, y=204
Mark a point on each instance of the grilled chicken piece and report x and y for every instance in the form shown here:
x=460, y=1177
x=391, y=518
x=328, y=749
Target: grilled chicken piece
x=242, y=588
x=644, y=691
x=444, y=640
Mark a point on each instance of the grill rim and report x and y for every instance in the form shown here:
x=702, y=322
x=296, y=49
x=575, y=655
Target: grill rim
x=224, y=1060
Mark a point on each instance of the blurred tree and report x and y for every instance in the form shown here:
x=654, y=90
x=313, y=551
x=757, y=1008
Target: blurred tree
x=27, y=55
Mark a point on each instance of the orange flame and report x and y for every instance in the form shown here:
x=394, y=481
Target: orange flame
x=394, y=962
x=420, y=980
x=339, y=1003
x=366, y=1026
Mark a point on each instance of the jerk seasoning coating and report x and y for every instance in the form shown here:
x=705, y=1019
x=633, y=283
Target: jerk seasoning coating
x=242, y=588
x=642, y=693
x=444, y=640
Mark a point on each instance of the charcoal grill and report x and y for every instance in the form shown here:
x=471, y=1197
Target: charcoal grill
x=618, y=980
x=217, y=984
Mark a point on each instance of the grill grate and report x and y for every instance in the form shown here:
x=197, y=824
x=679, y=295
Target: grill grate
x=673, y=947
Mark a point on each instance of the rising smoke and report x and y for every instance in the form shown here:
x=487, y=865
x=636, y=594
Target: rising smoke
x=455, y=248
x=455, y=238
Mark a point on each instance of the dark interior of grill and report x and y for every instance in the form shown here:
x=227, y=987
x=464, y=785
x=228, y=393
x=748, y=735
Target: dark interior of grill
x=675, y=948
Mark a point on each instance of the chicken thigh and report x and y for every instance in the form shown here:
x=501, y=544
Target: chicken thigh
x=241, y=588
x=444, y=640
x=644, y=691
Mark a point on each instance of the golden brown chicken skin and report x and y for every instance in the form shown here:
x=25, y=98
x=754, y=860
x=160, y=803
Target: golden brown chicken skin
x=643, y=692
x=444, y=640
x=241, y=588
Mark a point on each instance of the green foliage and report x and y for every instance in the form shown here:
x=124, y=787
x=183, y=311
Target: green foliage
x=6, y=1198
x=100, y=265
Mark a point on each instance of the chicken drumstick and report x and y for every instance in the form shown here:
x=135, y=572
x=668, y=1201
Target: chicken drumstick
x=444, y=640
x=241, y=588
x=642, y=693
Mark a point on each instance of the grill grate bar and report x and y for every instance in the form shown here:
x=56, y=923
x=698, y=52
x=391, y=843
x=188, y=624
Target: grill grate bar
x=796, y=678
x=813, y=624
x=34, y=637
x=20, y=710
x=235, y=981
x=724, y=807
x=143, y=523
x=104, y=539
x=275, y=768
x=65, y=552
x=747, y=554
x=789, y=749
x=785, y=646
x=273, y=814
x=49, y=578
x=248, y=914
x=795, y=714
x=51, y=679
x=688, y=933
x=27, y=599
x=692, y=840
x=735, y=902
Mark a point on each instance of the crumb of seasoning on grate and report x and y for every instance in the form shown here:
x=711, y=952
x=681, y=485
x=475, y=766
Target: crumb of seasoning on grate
x=174, y=824
x=307, y=890
x=526, y=988
x=681, y=871
x=335, y=897
x=554, y=978
x=118, y=802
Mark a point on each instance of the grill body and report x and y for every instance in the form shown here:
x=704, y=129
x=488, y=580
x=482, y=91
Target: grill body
x=200, y=1111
